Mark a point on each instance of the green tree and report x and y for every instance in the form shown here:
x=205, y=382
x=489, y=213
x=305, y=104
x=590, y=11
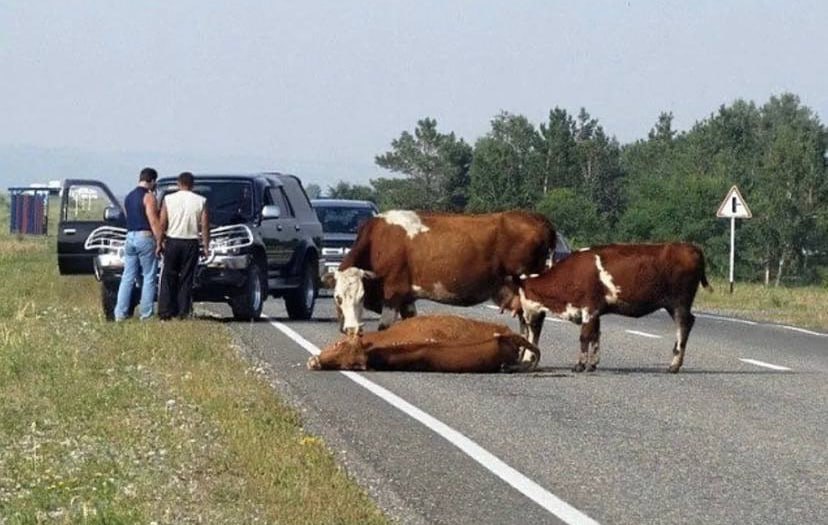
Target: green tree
x=507, y=166
x=436, y=165
x=575, y=216
x=560, y=168
x=345, y=190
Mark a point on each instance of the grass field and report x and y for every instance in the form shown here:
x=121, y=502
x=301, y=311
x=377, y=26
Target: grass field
x=143, y=422
x=805, y=306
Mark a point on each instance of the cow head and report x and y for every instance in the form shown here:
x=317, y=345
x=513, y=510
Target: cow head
x=346, y=354
x=349, y=293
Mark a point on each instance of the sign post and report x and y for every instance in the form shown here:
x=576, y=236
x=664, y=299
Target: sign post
x=733, y=207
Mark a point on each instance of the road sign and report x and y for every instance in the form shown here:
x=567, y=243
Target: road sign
x=734, y=206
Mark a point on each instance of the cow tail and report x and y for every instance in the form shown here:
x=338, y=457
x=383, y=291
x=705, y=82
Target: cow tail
x=703, y=274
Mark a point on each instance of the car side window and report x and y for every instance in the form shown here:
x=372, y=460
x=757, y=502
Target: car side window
x=277, y=197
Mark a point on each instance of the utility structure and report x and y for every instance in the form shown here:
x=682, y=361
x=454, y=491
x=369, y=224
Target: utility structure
x=29, y=209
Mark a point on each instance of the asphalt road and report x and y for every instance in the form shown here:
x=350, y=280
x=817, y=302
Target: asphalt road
x=740, y=435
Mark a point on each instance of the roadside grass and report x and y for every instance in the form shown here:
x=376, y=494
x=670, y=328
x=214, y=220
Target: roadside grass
x=143, y=422
x=805, y=306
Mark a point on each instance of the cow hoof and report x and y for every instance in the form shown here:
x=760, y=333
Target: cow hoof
x=313, y=363
x=590, y=368
x=578, y=368
x=673, y=369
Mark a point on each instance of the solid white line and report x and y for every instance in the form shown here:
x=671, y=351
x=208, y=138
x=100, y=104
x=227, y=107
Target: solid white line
x=802, y=330
x=643, y=334
x=563, y=510
x=766, y=365
x=731, y=319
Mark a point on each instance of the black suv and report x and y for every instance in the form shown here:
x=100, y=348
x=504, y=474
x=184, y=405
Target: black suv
x=265, y=239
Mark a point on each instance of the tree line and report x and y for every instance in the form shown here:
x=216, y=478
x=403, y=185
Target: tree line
x=666, y=187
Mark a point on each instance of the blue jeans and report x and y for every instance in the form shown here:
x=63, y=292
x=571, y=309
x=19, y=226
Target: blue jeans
x=139, y=254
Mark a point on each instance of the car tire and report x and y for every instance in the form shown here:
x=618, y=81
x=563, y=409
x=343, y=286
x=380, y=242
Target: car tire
x=109, y=299
x=300, y=301
x=248, y=302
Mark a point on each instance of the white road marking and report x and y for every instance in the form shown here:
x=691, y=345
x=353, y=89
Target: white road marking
x=561, y=509
x=643, y=334
x=723, y=318
x=764, y=364
x=802, y=330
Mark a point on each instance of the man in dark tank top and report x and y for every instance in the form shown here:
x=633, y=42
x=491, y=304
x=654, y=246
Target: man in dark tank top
x=140, y=254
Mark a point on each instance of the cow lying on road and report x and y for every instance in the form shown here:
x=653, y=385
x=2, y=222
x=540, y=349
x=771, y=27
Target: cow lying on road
x=627, y=279
x=439, y=343
x=400, y=256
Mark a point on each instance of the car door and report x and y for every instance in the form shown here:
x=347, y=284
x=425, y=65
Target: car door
x=284, y=231
x=82, y=207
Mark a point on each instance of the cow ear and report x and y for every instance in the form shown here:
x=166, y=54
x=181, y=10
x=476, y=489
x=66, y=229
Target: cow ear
x=369, y=274
x=329, y=280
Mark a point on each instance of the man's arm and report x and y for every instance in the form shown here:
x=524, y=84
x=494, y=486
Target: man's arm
x=151, y=207
x=205, y=229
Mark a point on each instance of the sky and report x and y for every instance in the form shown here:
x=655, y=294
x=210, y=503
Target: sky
x=100, y=88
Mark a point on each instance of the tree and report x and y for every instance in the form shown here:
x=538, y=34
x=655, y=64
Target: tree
x=507, y=166
x=560, y=168
x=344, y=190
x=575, y=216
x=436, y=164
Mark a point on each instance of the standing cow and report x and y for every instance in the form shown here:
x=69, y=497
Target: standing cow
x=432, y=343
x=627, y=279
x=401, y=256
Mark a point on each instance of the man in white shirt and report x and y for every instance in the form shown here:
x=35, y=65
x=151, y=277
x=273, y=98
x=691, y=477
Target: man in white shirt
x=183, y=213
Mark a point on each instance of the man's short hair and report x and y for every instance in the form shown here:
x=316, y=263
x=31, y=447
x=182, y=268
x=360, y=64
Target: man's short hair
x=186, y=179
x=148, y=175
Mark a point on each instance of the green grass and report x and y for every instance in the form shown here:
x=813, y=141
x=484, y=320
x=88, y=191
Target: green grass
x=802, y=306
x=142, y=422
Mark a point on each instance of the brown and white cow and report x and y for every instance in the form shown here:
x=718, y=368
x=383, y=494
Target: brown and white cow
x=627, y=279
x=401, y=256
x=439, y=343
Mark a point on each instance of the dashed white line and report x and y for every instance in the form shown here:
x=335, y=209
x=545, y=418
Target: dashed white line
x=563, y=510
x=764, y=364
x=643, y=334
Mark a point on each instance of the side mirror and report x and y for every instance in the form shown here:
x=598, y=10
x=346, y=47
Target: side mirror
x=271, y=211
x=112, y=214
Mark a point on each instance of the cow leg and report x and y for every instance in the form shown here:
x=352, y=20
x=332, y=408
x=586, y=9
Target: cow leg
x=594, y=331
x=589, y=338
x=684, y=323
x=408, y=310
x=388, y=316
x=531, y=327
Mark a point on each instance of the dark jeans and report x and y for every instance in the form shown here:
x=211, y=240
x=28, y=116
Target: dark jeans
x=176, y=295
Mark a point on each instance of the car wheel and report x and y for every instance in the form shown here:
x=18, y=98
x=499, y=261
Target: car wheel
x=109, y=298
x=247, y=304
x=300, y=302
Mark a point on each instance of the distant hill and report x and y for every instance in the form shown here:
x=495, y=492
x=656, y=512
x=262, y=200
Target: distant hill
x=23, y=165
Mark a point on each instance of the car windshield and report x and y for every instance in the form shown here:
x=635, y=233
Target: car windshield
x=342, y=219
x=228, y=202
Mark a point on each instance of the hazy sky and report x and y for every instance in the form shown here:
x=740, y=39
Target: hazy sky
x=324, y=86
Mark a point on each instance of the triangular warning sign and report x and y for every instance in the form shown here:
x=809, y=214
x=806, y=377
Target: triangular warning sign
x=734, y=205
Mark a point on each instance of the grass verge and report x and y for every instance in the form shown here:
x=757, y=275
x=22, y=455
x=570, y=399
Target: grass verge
x=143, y=422
x=805, y=306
